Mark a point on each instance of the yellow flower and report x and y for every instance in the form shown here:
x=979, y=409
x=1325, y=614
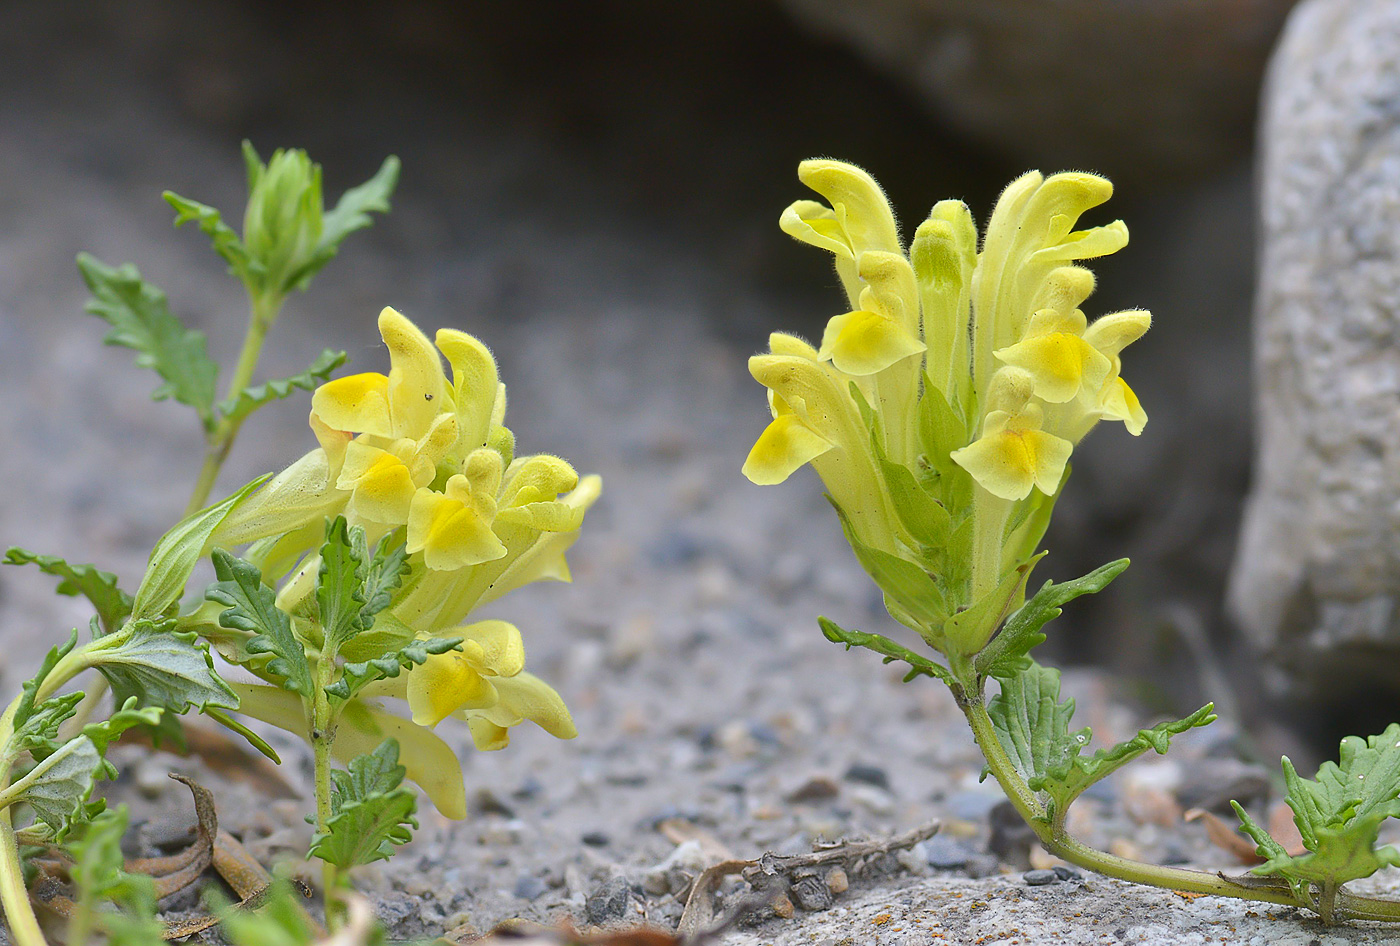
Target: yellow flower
x=1014, y=454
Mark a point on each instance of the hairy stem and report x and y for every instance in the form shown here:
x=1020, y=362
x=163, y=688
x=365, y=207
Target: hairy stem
x=1057, y=841
x=323, y=726
x=19, y=912
x=263, y=313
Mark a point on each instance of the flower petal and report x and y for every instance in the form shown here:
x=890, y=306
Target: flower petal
x=1060, y=363
x=475, y=384
x=1121, y=403
x=492, y=646
x=1009, y=463
x=417, y=388
x=381, y=483
x=863, y=343
x=451, y=534
x=785, y=445
x=446, y=683
x=526, y=696
x=356, y=402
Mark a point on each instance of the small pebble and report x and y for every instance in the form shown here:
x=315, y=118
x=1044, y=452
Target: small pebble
x=869, y=774
x=1067, y=873
x=1039, y=878
x=608, y=902
x=817, y=788
x=487, y=802
x=944, y=853
x=812, y=894
x=529, y=887
x=837, y=881
x=596, y=839
x=782, y=907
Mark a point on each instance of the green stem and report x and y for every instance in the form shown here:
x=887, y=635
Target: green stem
x=1058, y=842
x=323, y=726
x=14, y=897
x=263, y=313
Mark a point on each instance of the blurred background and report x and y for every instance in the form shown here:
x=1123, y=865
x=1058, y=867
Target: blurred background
x=594, y=189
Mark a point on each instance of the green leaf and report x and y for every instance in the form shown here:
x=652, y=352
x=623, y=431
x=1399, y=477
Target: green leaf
x=177, y=553
x=142, y=321
x=252, y=607
x=39, y=733
x=253, y=739
x=968, y=631
x=99, y=587
x=1032, y=725
x=238, y=406
x=352, y=211
x=942, y=429
x=373, y=811
x=911, y=596
x=104, y=732
x=1339, y=815
x=58, y=787
x=383, y=576
x=159, y=666
x=25, y=709
x=225, y=242
x=918, y=665
x=354, y=676
x=98, y=876
x=1007, y=654
x=924, y=516
x=340, y=583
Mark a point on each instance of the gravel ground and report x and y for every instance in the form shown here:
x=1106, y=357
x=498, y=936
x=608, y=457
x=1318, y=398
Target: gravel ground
x=622, y=269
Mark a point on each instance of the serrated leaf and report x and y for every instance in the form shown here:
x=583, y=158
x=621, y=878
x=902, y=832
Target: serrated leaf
x=340, y=583
x=373, y=810
x=38, y=734
x=1032, y=724
x=252, y=607
x=383, y=576
x=99, y=587
x=918, y=665
x=1007, y=654
x=221, y=236
x=178, y=551
x=237, y=407
x=142, y=321
x=59, y=786
x=352, y=211
x=911, y=596
x=159, y=666
x=98, y=876
x=1339, y=815
x=354, y=676
x=104, y=732
x=29, y=690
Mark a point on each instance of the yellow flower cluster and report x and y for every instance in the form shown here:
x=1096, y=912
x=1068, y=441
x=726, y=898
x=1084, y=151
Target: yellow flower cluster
x=417, y=452
x=953, y=357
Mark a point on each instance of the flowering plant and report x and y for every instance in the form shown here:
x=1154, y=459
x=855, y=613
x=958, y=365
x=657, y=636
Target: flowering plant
x=361, y=565
x=941, y=412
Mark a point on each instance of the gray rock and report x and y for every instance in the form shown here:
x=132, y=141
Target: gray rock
x=529, y=887
x=999, y=69
x=1040, y=878
x=1317, y=577
x=609, y=902
x=812, y=893
x=945, y=853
